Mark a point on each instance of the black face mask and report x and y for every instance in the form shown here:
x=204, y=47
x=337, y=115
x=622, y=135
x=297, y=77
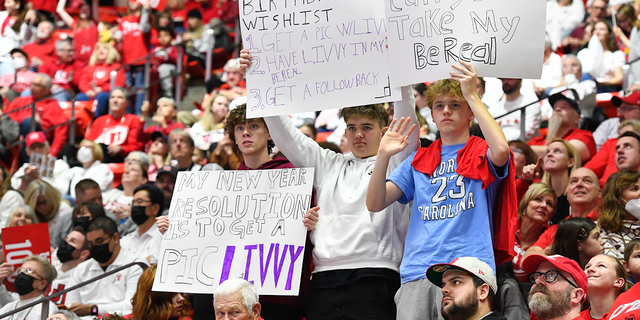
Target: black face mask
x=101, y=253
x=65, y=252
x=82, y=222
x=24, y=284
x=139, y=214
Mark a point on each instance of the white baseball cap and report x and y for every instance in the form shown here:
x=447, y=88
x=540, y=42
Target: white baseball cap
x=471, y=265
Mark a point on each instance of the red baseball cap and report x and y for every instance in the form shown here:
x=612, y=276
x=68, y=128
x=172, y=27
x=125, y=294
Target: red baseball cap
x=632, y=98
x=531, y=263
x=35, y=137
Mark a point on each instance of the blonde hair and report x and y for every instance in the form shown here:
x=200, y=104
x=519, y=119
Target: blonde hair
x=97, y=150
x=27, y=210
x=207, y=122
x=534, y=191
x=633, y=123
x=112, y=57
x=42, y=188
x=48, y=271
x=572, y=153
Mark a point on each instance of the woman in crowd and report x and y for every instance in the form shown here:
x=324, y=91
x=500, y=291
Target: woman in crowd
x=534, y=212
x=607, y=279
x=178, y=14
x=95, y=80
x=511, y=298
x=626, y=21
x=578, y=239
x=158, y=154
x=607, y=69
x=85, y=30
x=46, y=202
x=9, y=199
x=562, y=17
x=619, y=211
x=135, y=174
x=21, y=216
x=210, y=128
x=90, y=155
x=155, y=305
x=14, y=31
x=81, y=216
x=523, y=156
x=419, y=90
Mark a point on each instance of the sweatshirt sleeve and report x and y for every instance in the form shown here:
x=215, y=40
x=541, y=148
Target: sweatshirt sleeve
x=403, y=109
x=145, y=26
x=61, y=132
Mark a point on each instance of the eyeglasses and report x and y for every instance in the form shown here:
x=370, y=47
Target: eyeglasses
x=138, y=202
x=99, y=241
x=549, y=277
x=29, y=271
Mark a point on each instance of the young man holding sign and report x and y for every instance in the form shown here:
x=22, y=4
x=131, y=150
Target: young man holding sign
x=454, y=187
x=357, y=252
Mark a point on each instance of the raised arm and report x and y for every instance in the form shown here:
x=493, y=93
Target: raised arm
x=499, y=148
x=64, y=16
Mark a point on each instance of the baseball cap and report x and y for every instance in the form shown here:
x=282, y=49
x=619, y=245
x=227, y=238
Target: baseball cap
x=566, y=96
x=157, y=134
x=531, y=263
x=472, y=265
x=632, y=98
x=172, y=170
x=35, y=137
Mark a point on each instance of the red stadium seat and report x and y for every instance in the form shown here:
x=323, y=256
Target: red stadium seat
x=118, y=170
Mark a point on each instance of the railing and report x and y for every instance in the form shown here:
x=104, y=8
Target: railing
x=45, y=301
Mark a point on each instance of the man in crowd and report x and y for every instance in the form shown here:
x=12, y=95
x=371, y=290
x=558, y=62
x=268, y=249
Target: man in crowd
x=559, y=287
x=576, y=40
x=628, y=108
x=236, y=299
x=181, y=145
x=563, y=124
x=144, y=242
x=605, y=163
x=34, y=277
x=511, y=100
x=166, y=181
x=111, y=294
x=469, y=289
x=64, y=71
x=628, y=151
x=63, y=315
x=41, y=50
x=586, y=89
x=70, y=253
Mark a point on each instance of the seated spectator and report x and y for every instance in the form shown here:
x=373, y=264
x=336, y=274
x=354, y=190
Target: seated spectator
x=419, y=91
x=572, y=79
x=166, y=181
x=34, y=277
x=577, y=40
x=165, y=118
x=178, y=14
x=534, y=212
x=622, y=308
x=46, y=203
x=210, y=128
x=632, y=259
x=309, y=130
x=91, y=156
x=234, y=86
x=182, y=146
x=604, y=57
x=237, y=297
x=36, y=143
x=563, y=124
x=113, y=293
x=606, y=279
x=164, y=61
x=583, y=193
x=577, y=239
x=80, y=217
x=144, y=242
x=619, y=212
x=523, y=156
x=199, y=156
x=14, y=83
x=562, y=17
x=628, y=109
x=64, y=70
x=469, y=289
x=158, y=154
x=48, y=113
x=43, y=48
x=551, y=76
x=626, y=20
x=135, y=174
x=16, y=33
x=628, y=151
x=117, y=132
x=194, y=38
x=95, y=79
x=511, y=100
x=9, y=199
x=604, y=164
x=559, y=287
x=85, y=30
x=71, y=252
x=225, y=154
x=21, y=216
x=149, y=305
x=511, y=299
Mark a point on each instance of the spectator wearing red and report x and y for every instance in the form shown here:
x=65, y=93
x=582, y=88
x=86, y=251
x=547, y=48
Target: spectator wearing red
x=628, y=109
x=43, y=48
x=235, y=85
x=13, y=84
x=607, y=279
x=135, y=39
x=165, y=118
x=48, y=113
x=178, y=14
x=563, y=124
x=45, y=8
x=164, y=60
x=605, y=162
x=625, y=307
x=64, y=71
x=225, y=10
x=95, y=79
x=118, y=131
x=85, y=30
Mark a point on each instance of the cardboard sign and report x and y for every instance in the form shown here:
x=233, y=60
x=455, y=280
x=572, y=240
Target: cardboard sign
x=315, y=55
x=24, y=241
x=236, y=224
x=501, y=38
x=45, y=163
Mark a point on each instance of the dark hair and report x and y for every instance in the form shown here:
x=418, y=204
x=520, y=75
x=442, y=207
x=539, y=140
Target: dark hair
x=330, y=145
x=530, y=155
x=105, y=224
x=420, y=87
x=611, y=42
x=194, y=13
x=629, y=247
x=311, y=127
x=86, y=184
x=22, y=12
x=611, y=209
x=491, y=297
x=238, y=116
x=20, y=51
x=374, y=111
x=569, y=232
x=631, y=134
x=95, y=209
x=167, y=29
x=156, y=196
x=505, y=272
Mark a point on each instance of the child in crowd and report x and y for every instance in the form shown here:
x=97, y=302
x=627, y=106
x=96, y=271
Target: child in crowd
x=165, y=118
x=164, y=60
x=210, y=128
x=104, y=32
x=578, y=239
x=632, y=259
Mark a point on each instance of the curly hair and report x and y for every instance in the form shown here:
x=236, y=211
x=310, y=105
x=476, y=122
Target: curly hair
x=154, y=305
x=612, y=210
x=238, y=116
x=376, y=112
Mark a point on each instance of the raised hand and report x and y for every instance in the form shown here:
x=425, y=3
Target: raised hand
x=532, y=171
x=467, y=77
x=245, y=60
x=163, y=223
x=396, y=138
x=311, y=218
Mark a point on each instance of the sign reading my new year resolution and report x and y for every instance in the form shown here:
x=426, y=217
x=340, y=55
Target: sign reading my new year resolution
x=313, y=55
x=501, y=38
x=236, y=224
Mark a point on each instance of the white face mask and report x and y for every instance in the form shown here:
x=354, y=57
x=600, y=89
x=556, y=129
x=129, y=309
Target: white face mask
x=85, y=155
x=19, y=63
x=633, y=207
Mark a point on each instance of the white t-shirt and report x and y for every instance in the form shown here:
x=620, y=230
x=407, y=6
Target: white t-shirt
x=145, y=246
x=32, y=313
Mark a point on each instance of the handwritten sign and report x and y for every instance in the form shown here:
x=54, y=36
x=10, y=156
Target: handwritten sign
x=24, y=241
x=236, y=224
x=501, y=38
x=314, y=55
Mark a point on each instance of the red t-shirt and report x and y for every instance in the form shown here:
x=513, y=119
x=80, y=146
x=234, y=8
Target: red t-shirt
x=573, y=134
x=84, y=41
x=100, y=76
x=603, y=164
x=627, y=306
x=122, y=132
x=66, y=75
x=135, y=43
x=45, y=5
x=44, y=51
